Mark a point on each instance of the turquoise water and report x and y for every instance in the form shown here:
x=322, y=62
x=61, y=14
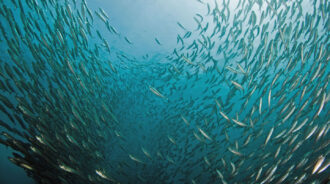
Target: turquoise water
x=164, y=91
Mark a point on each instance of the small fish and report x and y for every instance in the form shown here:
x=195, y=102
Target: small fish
x=322, y=104
x=269, y=135
x=157, y=41
x=67, y=169
x=260, y=105
x=127, y=40
x=181, y=26
x=185, y=120
x=323, y=168
x=235, y=152
x=171, y=139
x=318, y=164
x=156, y=92
x=219, y=174
x=102, y=175
x=146, y=152
x=135, y=159
x=187, y=60
x=26, y=166
x=239, y=123
x=237, y=85
x=204, y=134
x=259, y=173
x=269, y=97
x=224, y=115
x=277, y=152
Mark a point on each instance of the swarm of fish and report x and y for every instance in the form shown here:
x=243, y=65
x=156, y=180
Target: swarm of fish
x=242, y=99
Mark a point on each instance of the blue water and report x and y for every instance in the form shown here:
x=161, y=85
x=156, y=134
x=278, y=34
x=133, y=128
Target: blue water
x=10, y=173
x=108, y=117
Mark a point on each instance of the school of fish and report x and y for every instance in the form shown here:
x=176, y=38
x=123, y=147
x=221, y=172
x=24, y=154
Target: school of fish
x=243, y=98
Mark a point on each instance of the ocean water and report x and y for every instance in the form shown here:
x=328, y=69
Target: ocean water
x=155, y=91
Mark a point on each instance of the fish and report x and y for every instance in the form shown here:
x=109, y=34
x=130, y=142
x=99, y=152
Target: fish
x=172, y=140
x=146, y=152
x=135, y=159
x=268, y=136
x=102, y=175
x=127, y=40
x=224, y=115
x=185, y=120
x=204, y=134
x=269, y=98
x=242, y=76
x=318, y=164
x=239, y=123
x=235, y=152
x=181, y=26
x=187, y=60
x=67, y=168
x=156, y=92
x=237, y=85
x=157, y=41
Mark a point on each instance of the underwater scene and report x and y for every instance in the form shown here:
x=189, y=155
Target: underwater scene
x=164, y=91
